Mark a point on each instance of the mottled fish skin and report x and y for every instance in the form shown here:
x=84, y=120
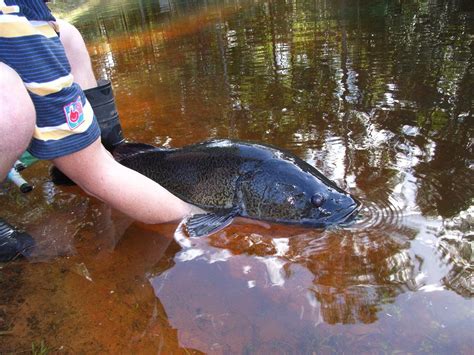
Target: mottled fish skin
x=260, y=181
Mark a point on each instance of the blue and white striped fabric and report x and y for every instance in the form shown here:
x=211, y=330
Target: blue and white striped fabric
x=30, y=45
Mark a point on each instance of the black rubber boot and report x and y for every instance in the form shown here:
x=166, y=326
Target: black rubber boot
x=59, y=178
x=102, y=101
x=14, y=243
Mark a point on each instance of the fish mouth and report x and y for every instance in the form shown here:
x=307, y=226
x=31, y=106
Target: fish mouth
x=342, y=219
x=346, y=217
x=353, y=211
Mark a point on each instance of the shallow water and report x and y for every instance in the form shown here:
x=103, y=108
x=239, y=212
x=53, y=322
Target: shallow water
x=375, y=94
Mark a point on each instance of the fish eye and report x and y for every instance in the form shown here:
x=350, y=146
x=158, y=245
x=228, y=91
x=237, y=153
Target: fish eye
x=317, y=200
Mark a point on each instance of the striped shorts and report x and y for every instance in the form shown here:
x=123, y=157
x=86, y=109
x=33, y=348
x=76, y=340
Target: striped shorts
x=30, y=45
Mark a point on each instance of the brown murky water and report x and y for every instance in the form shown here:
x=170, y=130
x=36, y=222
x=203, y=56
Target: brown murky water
x=377, y=94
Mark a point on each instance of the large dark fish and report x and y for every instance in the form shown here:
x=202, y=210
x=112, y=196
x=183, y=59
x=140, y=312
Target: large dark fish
x=230, y=178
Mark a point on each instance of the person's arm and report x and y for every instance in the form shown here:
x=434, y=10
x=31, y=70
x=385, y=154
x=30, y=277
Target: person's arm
x=95, y=171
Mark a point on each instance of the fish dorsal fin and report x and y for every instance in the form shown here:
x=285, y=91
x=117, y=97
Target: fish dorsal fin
x=127, y=150
x=204, y=224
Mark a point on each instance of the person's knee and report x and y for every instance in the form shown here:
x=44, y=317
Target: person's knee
x=17, y=113
x=69, y=34
x=77, y=55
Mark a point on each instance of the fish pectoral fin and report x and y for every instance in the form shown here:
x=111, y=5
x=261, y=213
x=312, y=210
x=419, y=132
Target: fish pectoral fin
x=204, y=224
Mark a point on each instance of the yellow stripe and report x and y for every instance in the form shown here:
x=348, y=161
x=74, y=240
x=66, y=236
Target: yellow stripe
x=46, y=30
x=51, y=135
x=16, y=29
x=50, y=87
x=14, y=26
x=9, y=9
x=63, y=130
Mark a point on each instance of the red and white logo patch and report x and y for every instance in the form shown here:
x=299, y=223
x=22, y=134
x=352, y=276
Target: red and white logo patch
x=74, y=113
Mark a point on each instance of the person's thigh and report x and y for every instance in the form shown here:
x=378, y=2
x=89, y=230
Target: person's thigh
x=17, y=118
